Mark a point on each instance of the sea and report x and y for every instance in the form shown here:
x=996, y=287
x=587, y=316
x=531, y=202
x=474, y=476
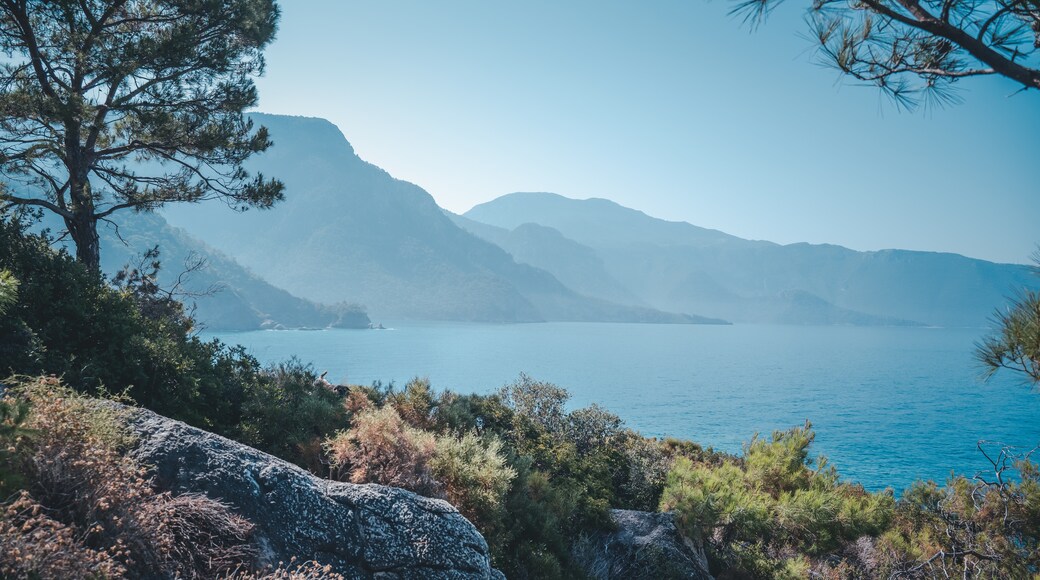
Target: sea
x=889, y=405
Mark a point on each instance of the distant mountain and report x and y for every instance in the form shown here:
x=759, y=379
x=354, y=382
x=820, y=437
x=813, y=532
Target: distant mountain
x=241, y=301
x=348, y=230
x=679, y=266
x=577, y=266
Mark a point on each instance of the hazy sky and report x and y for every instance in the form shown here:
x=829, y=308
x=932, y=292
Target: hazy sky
x=671, y=107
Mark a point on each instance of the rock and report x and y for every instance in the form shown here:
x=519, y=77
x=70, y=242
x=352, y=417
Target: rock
x=645, y=545
x=362, y=531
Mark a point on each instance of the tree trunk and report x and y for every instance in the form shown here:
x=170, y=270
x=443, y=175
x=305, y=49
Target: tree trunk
x=83, y=231
x=82, y=225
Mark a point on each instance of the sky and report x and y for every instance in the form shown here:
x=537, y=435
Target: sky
x=672, y=107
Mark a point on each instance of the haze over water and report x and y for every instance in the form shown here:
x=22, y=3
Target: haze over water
x=889, y=405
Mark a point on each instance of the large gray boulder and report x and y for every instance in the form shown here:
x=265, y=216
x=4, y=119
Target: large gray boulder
x=644, y=545
x=362, y=531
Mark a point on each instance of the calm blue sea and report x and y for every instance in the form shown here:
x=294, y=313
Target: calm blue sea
x=890, y=405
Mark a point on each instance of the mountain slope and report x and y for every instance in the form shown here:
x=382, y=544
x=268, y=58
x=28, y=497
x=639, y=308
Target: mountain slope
x=349, y=229
x=224, y=294
x=678, y=266
x=576, y=265
x=595, y=222
x=241, y=300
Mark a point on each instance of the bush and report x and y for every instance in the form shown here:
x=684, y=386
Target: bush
x=8, y=291
x=68, y=322
x=286, y=411
x=84, y=495
x=755, y=516
x=381, y=448
x=984, y=526
x=536, y=402
x=38, y=546
x=474, y=475
x=648, y=464
x=415, y=404
x=13, y=413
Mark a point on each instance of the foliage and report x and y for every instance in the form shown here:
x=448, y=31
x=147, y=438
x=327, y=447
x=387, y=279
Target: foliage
x=570, y=468
x=648, y=463
x=536, y=402
x=475, y=476
x=593, y=428
x=13, y=413
x=985, y=526
x=752, y=517
x=8, y=291
x=286, y=412
x=381, y=448
x=90, y=501
x=137, y=340
x=531, y=475
x=39, y=546
x=68, y=322
x=132, y=104
x=917, y=50
x=415, y=403
x=1015, y=343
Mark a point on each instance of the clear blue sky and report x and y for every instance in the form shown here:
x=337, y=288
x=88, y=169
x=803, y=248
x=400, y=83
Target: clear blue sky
x=671, y=107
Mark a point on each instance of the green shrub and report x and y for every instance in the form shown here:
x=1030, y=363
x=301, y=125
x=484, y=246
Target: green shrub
x=415, y=404
x=8, y=291
x=474, y=476
x=985, y=526
x=13, y=413
x=642, y=482
x=754, y=514
x=286, y=411
x=68, y=322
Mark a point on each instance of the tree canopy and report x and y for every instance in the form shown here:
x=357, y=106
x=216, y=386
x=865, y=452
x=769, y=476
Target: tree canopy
x=1015, y=342
x=914, y=50
x=108, y=105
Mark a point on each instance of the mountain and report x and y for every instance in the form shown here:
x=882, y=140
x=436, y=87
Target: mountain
x=577, y=266
x=349, y=230
x=240, y=300
x=679, y=266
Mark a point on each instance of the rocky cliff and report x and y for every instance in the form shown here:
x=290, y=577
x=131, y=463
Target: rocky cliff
x=361, y=531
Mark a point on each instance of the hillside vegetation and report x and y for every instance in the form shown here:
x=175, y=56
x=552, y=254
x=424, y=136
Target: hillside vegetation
x=535, y=476
x=222, y=294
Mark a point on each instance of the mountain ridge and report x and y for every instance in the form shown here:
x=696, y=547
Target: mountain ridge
x=347, y=228
x=677, y=266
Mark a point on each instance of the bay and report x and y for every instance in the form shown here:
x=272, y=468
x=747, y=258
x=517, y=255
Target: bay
x=889, y=405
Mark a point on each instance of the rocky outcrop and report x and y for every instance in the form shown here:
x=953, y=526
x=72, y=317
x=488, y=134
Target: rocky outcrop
x=362, y=531
x=644, y=545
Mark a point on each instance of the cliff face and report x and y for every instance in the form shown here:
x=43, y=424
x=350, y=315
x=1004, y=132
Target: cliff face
x=362, y=531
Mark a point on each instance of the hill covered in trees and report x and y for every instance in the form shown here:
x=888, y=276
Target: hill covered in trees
x=222, y=294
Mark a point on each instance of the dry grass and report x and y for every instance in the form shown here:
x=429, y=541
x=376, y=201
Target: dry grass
x=37, y=546
x=90, y=507
x=294, y=570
